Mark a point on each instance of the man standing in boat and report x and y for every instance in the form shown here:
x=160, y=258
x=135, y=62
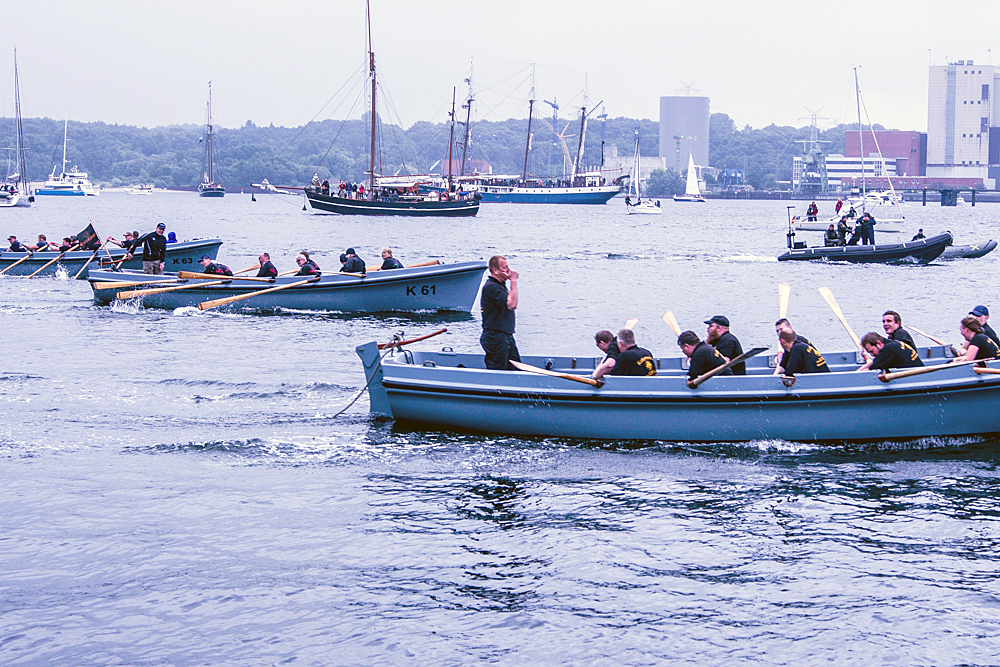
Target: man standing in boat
x=725, y=342
x=154, y=250
x=498, y=305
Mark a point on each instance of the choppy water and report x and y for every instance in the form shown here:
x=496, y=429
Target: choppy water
x=176, y=490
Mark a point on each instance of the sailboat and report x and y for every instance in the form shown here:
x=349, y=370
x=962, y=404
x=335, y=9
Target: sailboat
x=208, y=187
x=633, y=200
x=16, y=190
x=692, y=192
x=70, y=183
x=385, y=198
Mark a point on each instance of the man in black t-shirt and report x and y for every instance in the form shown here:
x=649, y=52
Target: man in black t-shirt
x=888, y=353
x=703, y=356
x=632, y=360
x=154, y=250
x=982, y=314
x=498, y=305
x=893, y=325
x=725, y=342
x=354, y=263
x=214, y=268
x=799, y=357
x=267, y=269
x=608, y=344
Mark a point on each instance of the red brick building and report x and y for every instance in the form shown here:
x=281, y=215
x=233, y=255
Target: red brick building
x=909, y=149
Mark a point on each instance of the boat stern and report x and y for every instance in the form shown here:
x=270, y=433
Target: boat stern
x=377, y=397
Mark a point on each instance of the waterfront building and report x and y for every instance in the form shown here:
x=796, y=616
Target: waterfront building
x=684, y=130
x=907, y=149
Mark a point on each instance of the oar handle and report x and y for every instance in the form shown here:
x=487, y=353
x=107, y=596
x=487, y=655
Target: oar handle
x=887, y=377
x=693, y=384
x=382, y=346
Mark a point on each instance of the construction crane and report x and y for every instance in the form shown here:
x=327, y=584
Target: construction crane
x=677, y=138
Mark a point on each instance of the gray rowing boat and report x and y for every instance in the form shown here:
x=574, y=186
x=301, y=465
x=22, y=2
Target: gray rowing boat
x=180, y=257
x=447, y=287
x=454, y=391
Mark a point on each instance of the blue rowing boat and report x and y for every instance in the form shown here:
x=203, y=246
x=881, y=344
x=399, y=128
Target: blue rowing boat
x=454, y=391
x=180, y=257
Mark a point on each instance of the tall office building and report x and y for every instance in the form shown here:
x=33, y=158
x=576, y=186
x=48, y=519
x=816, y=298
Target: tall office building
x=685, y=117
x=963, y=123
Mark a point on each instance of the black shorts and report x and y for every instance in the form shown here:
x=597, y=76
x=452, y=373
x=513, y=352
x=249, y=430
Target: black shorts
x=500, y=350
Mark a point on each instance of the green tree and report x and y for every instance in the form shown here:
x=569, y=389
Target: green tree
x=664, y=183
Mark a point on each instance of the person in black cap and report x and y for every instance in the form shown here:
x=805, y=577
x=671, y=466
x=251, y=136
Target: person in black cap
x=214, y=268
x=982, y=313
x=726, y=343
x=919, y=235
x=154, y=250
x=702, y=355
x=267, y=269
x=353, y=264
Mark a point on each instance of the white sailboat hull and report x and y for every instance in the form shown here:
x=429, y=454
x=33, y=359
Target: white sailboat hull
x=645, y=208
x=690, y=198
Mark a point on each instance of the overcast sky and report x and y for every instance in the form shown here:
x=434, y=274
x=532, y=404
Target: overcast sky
x=148, y=63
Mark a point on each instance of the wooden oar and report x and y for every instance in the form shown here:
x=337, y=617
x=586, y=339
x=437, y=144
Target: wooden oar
x=127, y=283
x=985, y=371
x=288, y=273
x=671, y=321
x=160, y=290
x=433, y=262
x=783, y=291
x=382, y=346
x=886, y=377
x=86, y=264
x=53, y=261
x=828, y=295
x=954, y=350
x=249, y=268
x=189, y=275
x=631, y=324
x=206, y=305
x=693, y=384
x=28, y=256
x=566, y=376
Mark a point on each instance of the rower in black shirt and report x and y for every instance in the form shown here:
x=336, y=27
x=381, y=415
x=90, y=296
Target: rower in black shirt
x=888, y=353
x=725, y=342
x=982, y=314
x=892, y=323
x=267, y=269
x=307, y=267
x=353, y=264
x=608, y=344
x=779, y=326
x=15, y=245
x=799, y=357
x=632, y=360
x=979, y=345
x=214, y=268
x=703, y=356
x=388, y=261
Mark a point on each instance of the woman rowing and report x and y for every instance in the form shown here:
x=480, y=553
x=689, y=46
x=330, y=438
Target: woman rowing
x=980, y=345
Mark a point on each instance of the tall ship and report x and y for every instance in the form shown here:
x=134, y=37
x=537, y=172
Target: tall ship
x=16, y=190
x=208, y=187
x=72, y=183
x=383, y=196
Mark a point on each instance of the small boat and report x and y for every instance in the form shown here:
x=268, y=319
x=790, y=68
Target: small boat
x=180, y=256
x=969, y=251
x=444, y=287
x=16, y=189
x=882, y=225
x=72, y=183
x=208, y=187
x=919, y=252
x=692, y=193
x=446, y=390
x=141, y=189
x=585, y=189
x=646, y=207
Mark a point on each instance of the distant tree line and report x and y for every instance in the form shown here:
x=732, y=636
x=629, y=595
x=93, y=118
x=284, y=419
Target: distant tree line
x=171, y=156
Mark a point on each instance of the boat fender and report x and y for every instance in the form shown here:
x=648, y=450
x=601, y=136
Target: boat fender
x=478, y=196
x=549, y=363
x=788, y=380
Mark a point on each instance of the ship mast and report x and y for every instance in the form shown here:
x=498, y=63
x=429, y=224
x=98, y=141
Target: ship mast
x=861, y=145
x=451, y=137
x=527, y=142
x=468, y=120
x=22, y=169
x=371, y=70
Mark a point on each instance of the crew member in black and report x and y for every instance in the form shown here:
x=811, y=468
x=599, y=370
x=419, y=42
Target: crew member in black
x=354, y=263
x=703, y=356
x=888, y=353
x=799, y=357
x=632, y=360
x=919, y=235
x=307, y=267
x=154, y=250
x=725, y=342
x=781, y=324
x=41, y=246
x=893, y=325
x=498, y=305
x=267, y=269
x=980, y=346
x=831, y=238
x=214, y=268
x=812, y=211
x=867, y=229
x=608, y=344
x=388, y=261
x=15, y=245
x=842, y=229
x=982, y=314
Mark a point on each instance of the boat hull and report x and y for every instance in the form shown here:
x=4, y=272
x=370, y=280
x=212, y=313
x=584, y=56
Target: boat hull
x=572, y=195
x=180, y=256
x=692, y=199
x=445, y=287
x=969, y=251
x=211, y=191
x=62, y=193
x=881, y=226
x=921, y=252
x=821, y=408
x=643, y=209
x=326, y=204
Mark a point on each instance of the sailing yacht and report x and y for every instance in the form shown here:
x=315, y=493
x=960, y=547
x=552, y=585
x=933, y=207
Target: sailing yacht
x=70, y=183
x=208, y=187
x=633, y=199
x=16, y=190
x=692, y=193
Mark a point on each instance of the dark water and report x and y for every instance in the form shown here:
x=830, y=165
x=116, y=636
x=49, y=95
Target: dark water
x=177, y=491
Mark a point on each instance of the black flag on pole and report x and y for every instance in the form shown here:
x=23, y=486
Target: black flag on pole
x=89, y=239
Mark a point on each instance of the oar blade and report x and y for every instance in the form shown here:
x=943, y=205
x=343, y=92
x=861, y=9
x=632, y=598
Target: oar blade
x=631, y=324
x=827, y=294
x=671, y=321
x=784, y=290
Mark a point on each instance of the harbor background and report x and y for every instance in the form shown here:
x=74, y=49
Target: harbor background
x=177, y=489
